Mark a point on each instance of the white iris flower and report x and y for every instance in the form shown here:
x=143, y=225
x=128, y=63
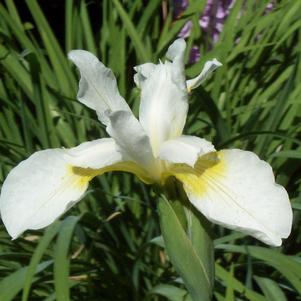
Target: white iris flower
x=233, y=188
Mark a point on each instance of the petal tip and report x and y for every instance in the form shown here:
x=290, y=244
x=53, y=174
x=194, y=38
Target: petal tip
x=177, y=48
x=217, y=63
x=72, y=54
x=82, y=56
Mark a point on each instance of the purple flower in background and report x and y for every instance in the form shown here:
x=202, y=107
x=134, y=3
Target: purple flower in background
x=194, y=55
x=214, y=16
x=270, y=7
x=211, y=21
x=185, y=31
x=178, y=7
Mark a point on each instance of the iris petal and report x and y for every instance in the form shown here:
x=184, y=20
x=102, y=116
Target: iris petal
x=239, y=192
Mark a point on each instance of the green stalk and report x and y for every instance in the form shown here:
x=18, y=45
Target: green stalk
x=188, y=243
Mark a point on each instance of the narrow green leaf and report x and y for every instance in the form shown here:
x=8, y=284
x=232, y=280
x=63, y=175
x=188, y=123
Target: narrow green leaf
x=296, y=154
x=13, y=12
x=12, y=284
x=171, y=292
x=90, y=42
x=141, y=52
x=61, y=260
x=37, y=256
x=270, y=289
x=286, y=265
x=203, y=99
x=227, y=277
x=230, y=286
x=69, y=38
x=182, y=254
x=198, y=229
x=65, y=78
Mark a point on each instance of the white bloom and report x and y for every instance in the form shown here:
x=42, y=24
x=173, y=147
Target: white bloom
x=233, y=188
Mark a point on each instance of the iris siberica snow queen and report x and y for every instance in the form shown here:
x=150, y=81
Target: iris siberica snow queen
x=231, y=187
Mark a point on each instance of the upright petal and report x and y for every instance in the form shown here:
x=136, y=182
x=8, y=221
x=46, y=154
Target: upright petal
x=41, y=188
x=175, y=53
x=209, y=67
x=185, y=149
x=97, y=87
x=143, y=73
x=164, y=105
x=239, y=192
x=131, y=138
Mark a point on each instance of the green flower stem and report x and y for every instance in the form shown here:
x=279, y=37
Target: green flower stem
x=187, y=241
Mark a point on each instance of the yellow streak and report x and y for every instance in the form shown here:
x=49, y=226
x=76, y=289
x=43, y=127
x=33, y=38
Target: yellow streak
x=196, y=180
x=82, y=176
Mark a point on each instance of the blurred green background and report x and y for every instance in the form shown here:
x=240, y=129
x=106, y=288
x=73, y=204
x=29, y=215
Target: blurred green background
x=109, y=247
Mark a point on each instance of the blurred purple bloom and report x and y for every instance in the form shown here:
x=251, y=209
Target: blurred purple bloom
x=194, y=55
x=211, y=21
x=270, y=7
x=214, y=16
x=185, y=31
x=178, y=7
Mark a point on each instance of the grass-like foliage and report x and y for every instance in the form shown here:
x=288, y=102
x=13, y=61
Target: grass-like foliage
x=109, y=246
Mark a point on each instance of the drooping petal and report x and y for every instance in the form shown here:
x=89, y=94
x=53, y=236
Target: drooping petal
x=41, y=188
x=94, y=154
x=185, y=149
x=164, y=105
x=131, y=138
x=209, y=67
x=104, y=155
x=97, y=87
x=239, y=192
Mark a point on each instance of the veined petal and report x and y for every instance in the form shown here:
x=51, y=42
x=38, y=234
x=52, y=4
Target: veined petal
x=97, y=87
x=239, y=192
x=131, y=138
x=209, y=67
x=41, y=188
x=164, y=105
x=185, y=149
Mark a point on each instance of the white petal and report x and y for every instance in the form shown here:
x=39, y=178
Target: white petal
x=240, y=193
x=104, y=155
x=164, y=105
x=97, y=87
x=40, y=189
x=185, y=149
x=176, y=50
x=131, y=138
x=175, y=53
x=94, y=154
x=209, y=67
x=143, y=73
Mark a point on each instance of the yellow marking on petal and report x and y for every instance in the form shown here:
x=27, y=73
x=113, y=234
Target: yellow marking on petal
x=82, y=176
x=133, y=168
x=196, y=180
